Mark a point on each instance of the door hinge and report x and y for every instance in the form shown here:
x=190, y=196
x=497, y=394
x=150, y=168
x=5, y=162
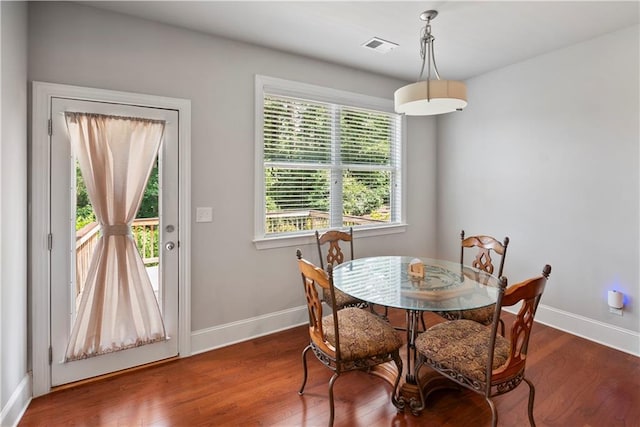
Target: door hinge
x=50, y=355
x=49, y=127
x=49, y=241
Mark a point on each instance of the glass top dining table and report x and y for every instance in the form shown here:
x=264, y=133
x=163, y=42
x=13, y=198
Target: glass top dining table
x=445, y=286
x=442, y=286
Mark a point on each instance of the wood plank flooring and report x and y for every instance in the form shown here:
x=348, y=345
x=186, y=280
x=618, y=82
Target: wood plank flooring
x=255, y=383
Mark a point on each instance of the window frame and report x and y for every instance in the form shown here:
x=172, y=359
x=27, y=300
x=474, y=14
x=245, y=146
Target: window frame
x=282, y=87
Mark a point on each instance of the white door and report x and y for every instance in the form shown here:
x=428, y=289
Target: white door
x=158, y=240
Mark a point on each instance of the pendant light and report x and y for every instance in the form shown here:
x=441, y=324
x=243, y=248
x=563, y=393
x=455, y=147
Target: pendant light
x=431, y=96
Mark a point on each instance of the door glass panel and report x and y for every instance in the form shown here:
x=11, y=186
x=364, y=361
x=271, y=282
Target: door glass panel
x=87, y=234
x=144, y=229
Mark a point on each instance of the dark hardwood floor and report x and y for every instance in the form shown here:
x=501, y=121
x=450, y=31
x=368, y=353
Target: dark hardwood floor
x=255, y=383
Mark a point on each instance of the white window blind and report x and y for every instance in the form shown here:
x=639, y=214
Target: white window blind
x=328, y=165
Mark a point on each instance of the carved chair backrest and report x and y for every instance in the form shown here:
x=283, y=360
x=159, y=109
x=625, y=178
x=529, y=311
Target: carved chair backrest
x=312, y=277
x=529, y=293
x=485, y=245
x=334, y=254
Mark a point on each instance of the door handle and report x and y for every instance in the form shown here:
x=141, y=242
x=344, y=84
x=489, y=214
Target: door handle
x=169, y=246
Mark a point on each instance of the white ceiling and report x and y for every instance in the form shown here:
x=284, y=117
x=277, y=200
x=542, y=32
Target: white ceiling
x=472, y=37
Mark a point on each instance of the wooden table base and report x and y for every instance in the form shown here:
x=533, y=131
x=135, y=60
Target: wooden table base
x=409, y=394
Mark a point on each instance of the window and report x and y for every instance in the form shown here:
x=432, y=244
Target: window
x=325, y=159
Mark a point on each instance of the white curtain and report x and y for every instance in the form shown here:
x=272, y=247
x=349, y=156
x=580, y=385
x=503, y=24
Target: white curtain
x=118, y=308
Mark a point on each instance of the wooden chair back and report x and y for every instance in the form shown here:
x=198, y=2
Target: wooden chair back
x=485, y=245
x=313, y=277
x=529, y=293
x=368, y=340
x=334, y=254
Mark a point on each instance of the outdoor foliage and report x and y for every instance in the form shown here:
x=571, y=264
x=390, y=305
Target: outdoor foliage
x=149, y=205
x=84, y=210
x=358, y=198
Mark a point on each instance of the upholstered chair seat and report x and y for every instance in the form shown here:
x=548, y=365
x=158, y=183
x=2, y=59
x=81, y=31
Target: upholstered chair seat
x=482, y=315
x=342, y=299
x=463, y=346
x=362, y=334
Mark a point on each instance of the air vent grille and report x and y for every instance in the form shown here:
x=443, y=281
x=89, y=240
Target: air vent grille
x=379, y=45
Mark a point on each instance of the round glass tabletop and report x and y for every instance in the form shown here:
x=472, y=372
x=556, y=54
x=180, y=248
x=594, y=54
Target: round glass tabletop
x=437, y=285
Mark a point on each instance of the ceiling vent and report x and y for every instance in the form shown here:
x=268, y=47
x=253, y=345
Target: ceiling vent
x=379, y=45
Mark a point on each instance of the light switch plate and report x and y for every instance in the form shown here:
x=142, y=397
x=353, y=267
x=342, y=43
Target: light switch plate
x=204, y=214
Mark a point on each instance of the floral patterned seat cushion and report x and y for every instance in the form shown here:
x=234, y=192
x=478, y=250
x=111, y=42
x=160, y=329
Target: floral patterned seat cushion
x=362, y=334
x=462, y=345
x=342, y=299
x=482, y=315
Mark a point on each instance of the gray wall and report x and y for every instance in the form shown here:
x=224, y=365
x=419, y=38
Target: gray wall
x=13, y=210
x=231, y=280
x=547, y=153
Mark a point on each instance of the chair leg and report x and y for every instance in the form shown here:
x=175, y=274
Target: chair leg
x=424, y=326
x=304, y=365
x=416, y=410
x=532, y=395
x=395, y=392
x=333, y=379
x=494, y=412
x=501, y=327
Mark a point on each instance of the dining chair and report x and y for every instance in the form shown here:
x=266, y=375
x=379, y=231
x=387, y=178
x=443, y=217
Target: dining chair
x=334, y=255
x=477, y=357
x=348, y=339
x=485, y=246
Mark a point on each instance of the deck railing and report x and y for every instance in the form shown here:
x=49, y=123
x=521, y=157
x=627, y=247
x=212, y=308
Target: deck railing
x=282, y=222
x=144, y=231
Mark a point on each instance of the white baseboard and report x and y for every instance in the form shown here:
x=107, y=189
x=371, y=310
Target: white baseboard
x=243, y=330
x=230, y=333
x=17, y=404
x=593, y=330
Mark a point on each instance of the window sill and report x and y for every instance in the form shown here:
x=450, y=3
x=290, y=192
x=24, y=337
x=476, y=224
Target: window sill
x=309, y=237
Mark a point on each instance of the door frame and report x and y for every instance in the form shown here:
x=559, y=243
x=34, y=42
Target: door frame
x=39, y=214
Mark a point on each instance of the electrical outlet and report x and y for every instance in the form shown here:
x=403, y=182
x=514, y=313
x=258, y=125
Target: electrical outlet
x=204, y=214
x=616, y=311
